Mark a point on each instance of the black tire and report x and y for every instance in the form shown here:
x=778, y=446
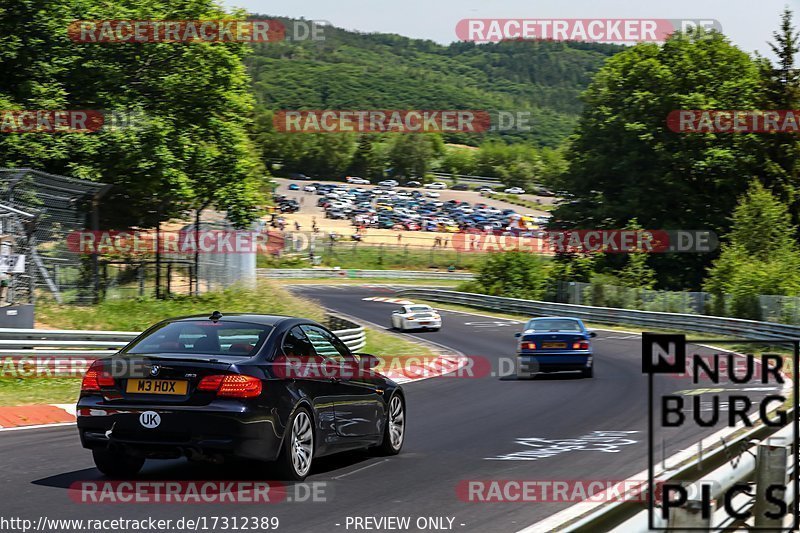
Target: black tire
x=117, y=464
x=588, y=372
x=285, y=464
x=386, y=447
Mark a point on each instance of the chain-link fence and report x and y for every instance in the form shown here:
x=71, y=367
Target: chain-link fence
x=46, y=218
x=780, y=309
x=158, y=271
x=40, y=211
x=601, y=295
x=307, y=249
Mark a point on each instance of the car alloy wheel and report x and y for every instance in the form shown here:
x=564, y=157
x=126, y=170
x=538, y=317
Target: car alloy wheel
x=302, y=443
x=396, y=422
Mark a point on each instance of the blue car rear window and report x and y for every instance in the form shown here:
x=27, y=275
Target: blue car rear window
x=554, y=325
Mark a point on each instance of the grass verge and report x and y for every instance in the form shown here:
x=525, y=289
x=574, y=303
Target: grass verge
x=21, y=391
x=137, y=314
x=448, y=283
x=370, y=257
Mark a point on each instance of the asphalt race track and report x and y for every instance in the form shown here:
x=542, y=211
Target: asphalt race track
x=458, y=429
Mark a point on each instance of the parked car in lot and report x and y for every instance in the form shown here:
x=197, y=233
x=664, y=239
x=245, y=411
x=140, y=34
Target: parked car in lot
x=438, y=185
x=460, y=187
x=356, y=180
x=413, y=184
x=388, y=183
x=294, y=187
x=432, y=194
x=289, y=206
x=542, y=191
x=336, y=214
x=554, y=344
x=515, y=190
x=309, y=188
x=223, y=387
x=416, y=316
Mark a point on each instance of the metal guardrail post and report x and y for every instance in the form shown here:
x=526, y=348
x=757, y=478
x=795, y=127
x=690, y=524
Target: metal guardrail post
x=771, y=469
x=689, y=516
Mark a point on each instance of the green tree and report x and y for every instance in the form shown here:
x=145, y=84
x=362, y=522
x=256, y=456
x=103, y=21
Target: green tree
x=760, y=255
x=410, y=154
x=782, y=91
x=515, y=165
x=514, y=274
x=625, y=162
x=362, y=158
x=458, y=160
x=189, y=143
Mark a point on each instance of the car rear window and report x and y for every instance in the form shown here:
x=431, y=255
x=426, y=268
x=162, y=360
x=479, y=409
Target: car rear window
x=221, y=339
x=554, y=325
x=419, y=308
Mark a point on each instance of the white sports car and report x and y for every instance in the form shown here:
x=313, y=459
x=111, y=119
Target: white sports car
x=416, y=316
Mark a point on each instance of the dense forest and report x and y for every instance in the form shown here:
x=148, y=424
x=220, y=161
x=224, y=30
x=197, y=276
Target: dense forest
x=350, y=70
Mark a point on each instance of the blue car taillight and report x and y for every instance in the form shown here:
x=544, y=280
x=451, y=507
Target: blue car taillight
x=580, y=345
x=525, y=345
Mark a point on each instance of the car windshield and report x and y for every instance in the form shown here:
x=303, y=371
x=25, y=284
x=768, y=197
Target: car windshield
x=554, y=324
x=226, y=339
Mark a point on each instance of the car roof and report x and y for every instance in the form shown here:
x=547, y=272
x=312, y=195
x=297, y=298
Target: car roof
x=555, y=318
x=253, y=318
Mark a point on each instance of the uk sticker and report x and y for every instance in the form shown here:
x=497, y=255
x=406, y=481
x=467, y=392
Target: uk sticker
x=150, y=419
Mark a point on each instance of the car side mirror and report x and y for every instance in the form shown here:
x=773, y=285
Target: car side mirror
x=395, y=312
x=518, y=334
x=592, y=334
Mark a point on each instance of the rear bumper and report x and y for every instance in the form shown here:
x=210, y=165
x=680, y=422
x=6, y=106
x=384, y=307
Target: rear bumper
x=529, y=364
x=223, y=429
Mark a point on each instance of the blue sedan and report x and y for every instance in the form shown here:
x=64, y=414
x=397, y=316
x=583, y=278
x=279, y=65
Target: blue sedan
x=294, y=187
x=554, y=344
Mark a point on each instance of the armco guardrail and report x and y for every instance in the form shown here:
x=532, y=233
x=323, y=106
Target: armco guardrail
x=734, y=327
x=325, y=273
x=88, y=345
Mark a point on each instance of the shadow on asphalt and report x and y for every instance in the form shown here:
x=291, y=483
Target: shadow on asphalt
x=184, y=470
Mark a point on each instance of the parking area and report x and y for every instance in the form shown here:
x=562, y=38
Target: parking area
x=412, y=215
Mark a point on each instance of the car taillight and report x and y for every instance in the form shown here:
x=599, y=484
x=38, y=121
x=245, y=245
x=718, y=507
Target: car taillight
x=210, y=383
x=231, y=385
x=96, y=378
x=580, y=345
x=528, y=345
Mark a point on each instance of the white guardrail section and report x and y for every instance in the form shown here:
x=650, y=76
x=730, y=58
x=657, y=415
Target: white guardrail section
x=769, y=462
x=324, y=273
x=64, y=344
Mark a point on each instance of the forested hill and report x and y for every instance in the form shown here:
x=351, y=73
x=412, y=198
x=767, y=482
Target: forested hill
x=350, y=70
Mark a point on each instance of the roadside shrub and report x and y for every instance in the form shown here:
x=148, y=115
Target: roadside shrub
x=514, y=275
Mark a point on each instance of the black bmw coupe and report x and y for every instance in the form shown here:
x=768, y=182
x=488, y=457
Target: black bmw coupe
x=270, y=388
